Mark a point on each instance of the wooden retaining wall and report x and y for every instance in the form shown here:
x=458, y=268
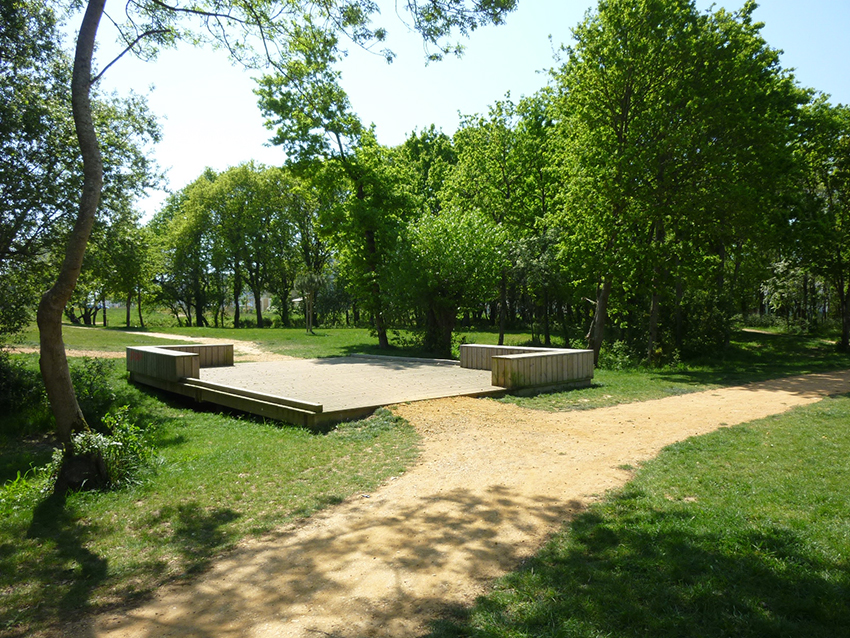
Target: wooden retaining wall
x=209, y=355
x=516, y=367
x=177, y=369
x=543, y=369
x=160, y=363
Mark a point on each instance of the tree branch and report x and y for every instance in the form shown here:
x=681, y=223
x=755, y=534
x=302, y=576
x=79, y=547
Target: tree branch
x=129, y=47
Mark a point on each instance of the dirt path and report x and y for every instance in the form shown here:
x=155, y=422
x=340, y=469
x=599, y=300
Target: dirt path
x=242, y=350
x=493, y=482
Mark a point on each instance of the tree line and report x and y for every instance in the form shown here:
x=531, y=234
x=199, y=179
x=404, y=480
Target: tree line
x=671, y=176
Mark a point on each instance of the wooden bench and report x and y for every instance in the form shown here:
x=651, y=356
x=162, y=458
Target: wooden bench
x=173, y=363
x=516, y=367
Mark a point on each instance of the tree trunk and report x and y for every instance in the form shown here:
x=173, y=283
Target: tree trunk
x=503, y=307
x=103, y=303
x=199, y=309
x=53, y=361
x=258, y=304
x=129, y=308
x=600, y=318
x=308, y=312
x=439, y=325
x=139, y=304
x=377, y=305
x=844, y=306
x=237, y=293
x=653, y=324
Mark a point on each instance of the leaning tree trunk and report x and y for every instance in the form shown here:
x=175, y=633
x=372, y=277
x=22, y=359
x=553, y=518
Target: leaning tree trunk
x=139, y=304
x=53, y=362
x=88, y=469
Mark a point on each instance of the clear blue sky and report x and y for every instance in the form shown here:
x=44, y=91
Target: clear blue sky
x=211, y=117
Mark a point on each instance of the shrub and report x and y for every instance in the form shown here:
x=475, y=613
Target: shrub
x=617, y=356
x=92, y=379
x=125, y=452
x=23, y=399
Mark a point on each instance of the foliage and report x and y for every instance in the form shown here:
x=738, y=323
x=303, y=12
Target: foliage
x=22, y=397
x=823, y=227
x=41, y=170
x=92, y=379
x=671, y=180
x=448, y=262
x=124, y=447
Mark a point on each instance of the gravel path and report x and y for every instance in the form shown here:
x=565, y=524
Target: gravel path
x=493, y=481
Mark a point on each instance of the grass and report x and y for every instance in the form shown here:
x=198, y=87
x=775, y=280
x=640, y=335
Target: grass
x=95, y=338
x=743, y=532
x=328, y=342
x=217, y=479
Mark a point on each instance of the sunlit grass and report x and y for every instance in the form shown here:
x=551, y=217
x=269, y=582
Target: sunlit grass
x=95, y=338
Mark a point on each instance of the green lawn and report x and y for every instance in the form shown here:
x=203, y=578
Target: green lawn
x=96, y=338
x=744, y=532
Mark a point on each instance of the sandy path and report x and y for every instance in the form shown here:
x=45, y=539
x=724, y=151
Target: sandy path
x=493, y=482
x=242, y=350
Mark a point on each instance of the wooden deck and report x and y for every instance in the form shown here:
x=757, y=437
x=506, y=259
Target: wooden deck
x=316, y=393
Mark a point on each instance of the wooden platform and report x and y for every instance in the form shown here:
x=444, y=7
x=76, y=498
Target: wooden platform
x=313, y=393
x=317, y=393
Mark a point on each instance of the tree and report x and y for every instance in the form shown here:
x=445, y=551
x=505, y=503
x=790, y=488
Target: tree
x=237, y=25
x=185, y=242
x=822, y=227
x=500, y=172
x=40, y=168
x=676, y=132
x=450, y=261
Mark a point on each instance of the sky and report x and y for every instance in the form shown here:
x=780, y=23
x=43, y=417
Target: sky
x=210, y=117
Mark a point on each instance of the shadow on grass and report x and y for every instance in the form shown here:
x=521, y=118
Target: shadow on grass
x=69, y=562
x=665, y=573
x=326, y=570
x=195, y=533
x=758, y=357
x=68, y=575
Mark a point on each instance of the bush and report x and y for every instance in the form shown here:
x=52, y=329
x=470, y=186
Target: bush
x=617, y=356
x=92, y=379
x=125, y=452
x=23, y=399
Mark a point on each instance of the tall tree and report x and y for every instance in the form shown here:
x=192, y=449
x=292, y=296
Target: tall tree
x=315, y=124
x=661, y=111
x=449, y=261
x=823, y=224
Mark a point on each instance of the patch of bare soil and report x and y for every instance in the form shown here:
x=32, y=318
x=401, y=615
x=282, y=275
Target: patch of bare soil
x=493, y=481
